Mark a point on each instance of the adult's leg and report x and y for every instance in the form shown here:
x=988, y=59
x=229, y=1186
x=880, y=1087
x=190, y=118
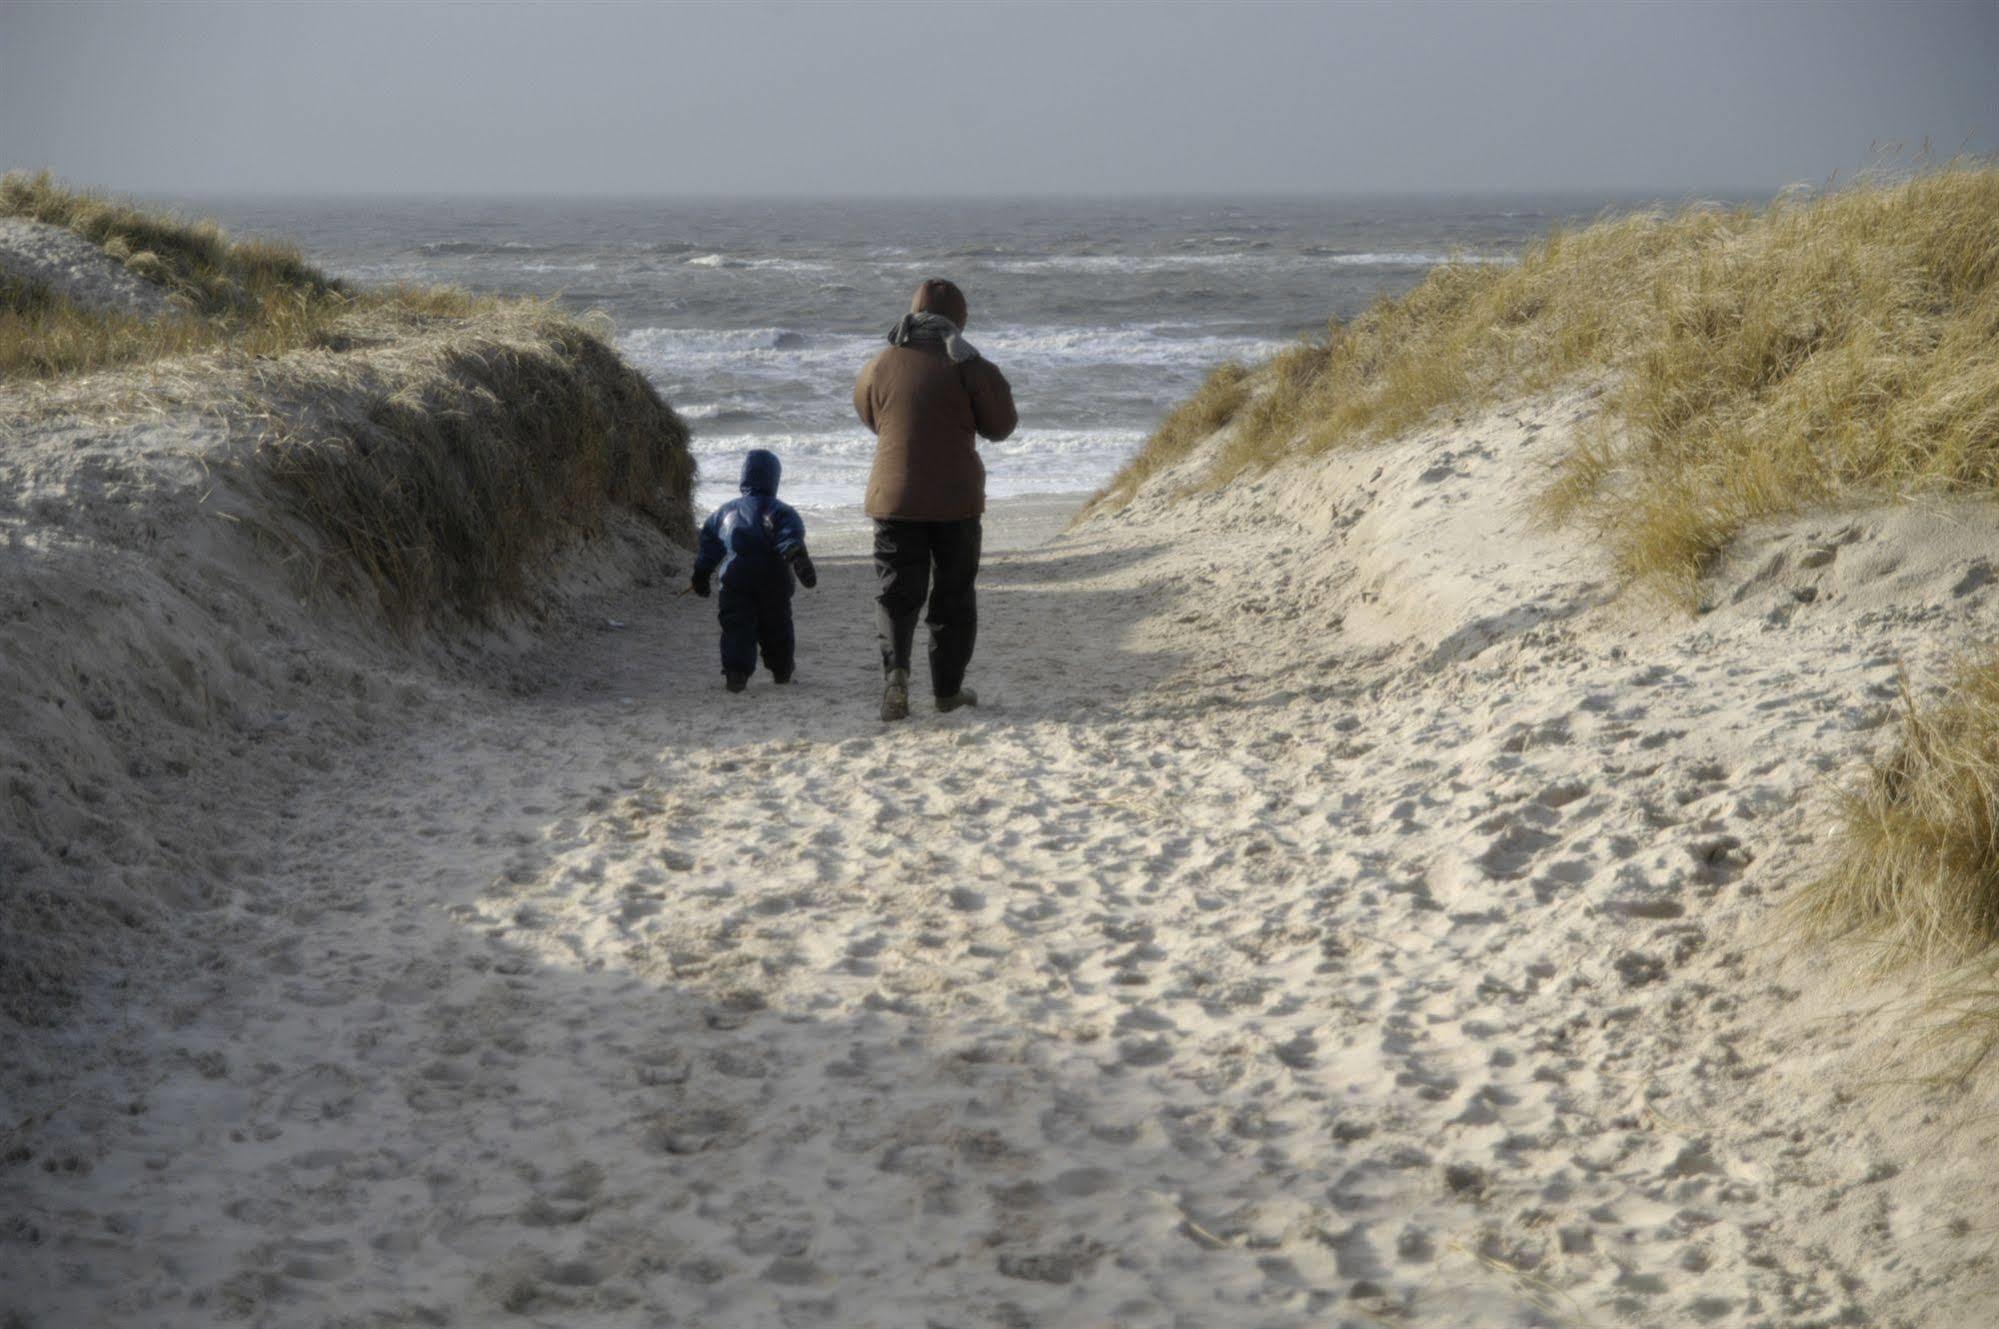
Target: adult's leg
x=902, y=566
x=737, y=611
x=774, y=634
x=954, y=604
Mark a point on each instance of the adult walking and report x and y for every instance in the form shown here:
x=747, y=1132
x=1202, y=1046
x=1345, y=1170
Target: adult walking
x=929, y=398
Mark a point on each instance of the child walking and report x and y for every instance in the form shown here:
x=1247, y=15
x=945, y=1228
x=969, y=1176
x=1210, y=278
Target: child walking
x=756, y=543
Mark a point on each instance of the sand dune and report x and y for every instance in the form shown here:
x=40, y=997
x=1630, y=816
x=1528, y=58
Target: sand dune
x=1345, y=910
x=56, y=257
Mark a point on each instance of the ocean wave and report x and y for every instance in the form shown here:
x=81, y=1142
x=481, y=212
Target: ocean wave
x=855, y=444
x=748, y=349
x=1401, y=258
x=717, y=412
x=713, y=341
x=477, y=247
x=1160, y=344
x=1259, y=255
x=829, y=469
x=731, y=262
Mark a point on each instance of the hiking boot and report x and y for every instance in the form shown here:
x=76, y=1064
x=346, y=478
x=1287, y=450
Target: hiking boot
x=895, y=695
x=734, y=681
x=962, y=697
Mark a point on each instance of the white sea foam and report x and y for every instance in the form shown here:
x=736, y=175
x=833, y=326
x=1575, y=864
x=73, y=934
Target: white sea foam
x=1411, y=259
x=829, y=469
x=771, y=387
x=1137, y=264
x=731, y=261
x=1158, y=344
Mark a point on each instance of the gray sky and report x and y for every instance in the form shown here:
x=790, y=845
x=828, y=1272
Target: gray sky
x=941, y=98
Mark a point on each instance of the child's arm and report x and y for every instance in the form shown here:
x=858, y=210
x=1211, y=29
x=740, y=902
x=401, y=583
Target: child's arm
x=709, y=554
x=789, y=528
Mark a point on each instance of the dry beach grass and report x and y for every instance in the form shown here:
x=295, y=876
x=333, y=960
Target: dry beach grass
x=438, y=443
x=458, y=459
x=1762, y=361
x=1918, y=867
x=1912, y=874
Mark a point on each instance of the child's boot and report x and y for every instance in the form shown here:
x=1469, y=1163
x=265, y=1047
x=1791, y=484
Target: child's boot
x=734, y=681
x=780, y=676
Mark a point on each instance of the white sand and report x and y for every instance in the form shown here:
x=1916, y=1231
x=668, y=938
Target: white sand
x=63, y=260
x=1344, y=911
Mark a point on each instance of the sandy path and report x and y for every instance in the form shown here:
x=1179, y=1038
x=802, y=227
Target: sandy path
x=1222, y=970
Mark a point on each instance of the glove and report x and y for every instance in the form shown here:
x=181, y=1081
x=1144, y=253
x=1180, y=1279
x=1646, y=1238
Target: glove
x=801, y=563
x=701, y=583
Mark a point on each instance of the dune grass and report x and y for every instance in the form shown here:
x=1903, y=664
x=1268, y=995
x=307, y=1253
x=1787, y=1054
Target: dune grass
x=195, y=259
x=1220, y=398
x=44, y=335
x=1913, y=871
x=453, y=466
x=251, y=296
x=434, y=447
x=1760, y=361
x=1918, y=863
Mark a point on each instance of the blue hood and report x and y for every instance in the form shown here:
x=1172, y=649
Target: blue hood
x=761, y=470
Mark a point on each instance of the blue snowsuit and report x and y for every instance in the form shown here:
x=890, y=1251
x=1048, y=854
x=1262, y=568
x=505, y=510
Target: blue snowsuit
x=750, y=542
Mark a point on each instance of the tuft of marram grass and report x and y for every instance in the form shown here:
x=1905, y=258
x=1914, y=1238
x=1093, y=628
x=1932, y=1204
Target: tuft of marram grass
x=453, y=469
x=45, y=335
x=1762, y=361
x=1913, y=872
x=195, y=259
x=1192, y=421
x=253, y=297
x=1917, y=864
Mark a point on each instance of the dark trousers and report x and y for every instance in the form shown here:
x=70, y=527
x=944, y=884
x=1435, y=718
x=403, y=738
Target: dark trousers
x=939, y=559
x=755, y=618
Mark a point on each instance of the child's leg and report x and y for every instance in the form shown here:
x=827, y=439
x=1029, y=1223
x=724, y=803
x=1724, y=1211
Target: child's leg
x=737, y=612
x=774, y=633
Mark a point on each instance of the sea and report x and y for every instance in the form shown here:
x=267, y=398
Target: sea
x=753, y=316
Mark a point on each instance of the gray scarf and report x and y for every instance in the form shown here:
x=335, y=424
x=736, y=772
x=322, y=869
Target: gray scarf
x=927, y=328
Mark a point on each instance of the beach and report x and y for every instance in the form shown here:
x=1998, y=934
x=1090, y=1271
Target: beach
x=1452, y=781
x=1214, y=970
x=1366, y=891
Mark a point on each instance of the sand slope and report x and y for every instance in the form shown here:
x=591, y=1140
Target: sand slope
x=73, y=267
x=1345, y=911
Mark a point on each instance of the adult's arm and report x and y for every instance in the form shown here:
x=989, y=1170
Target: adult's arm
x=993, y=412
x=864, y=397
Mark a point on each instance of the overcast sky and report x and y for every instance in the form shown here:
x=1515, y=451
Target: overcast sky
x=941, y=98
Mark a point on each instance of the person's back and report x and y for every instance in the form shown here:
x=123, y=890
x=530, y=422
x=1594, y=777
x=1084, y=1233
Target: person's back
x=754, y=544
x=928, y=411
x=929, y=398
x=750, y=531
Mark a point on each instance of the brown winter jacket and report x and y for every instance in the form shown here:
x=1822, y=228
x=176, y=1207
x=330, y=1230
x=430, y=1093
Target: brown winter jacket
x=924, y=411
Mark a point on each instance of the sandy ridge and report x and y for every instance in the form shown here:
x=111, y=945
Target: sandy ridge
x=73, y=267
